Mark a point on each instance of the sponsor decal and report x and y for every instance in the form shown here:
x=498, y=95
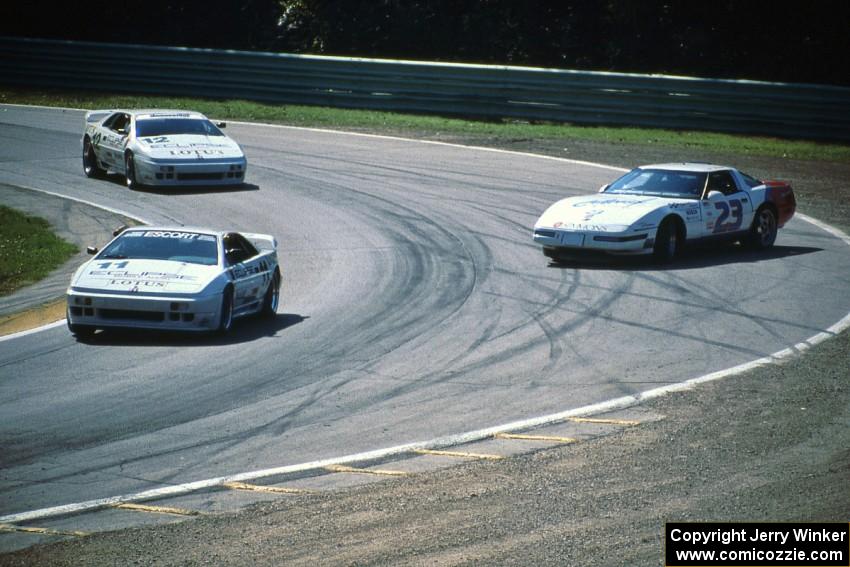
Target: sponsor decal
x=196, y=152
x=140, y=276
x=690, y=210
x=590, y=214
x=581, y=226
x=139, y=283
x=176, y=234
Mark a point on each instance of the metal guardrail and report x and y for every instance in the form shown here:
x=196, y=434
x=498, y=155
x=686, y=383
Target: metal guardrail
x=817, y=112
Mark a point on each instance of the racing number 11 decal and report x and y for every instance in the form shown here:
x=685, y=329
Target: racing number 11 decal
x=733, y=208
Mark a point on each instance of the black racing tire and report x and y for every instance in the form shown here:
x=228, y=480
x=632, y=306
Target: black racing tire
x=271, y=299
x=225, y=321
x=90, y=165
x=763, y=230
x=79, y=331
x=130, y=172
x=667, y=242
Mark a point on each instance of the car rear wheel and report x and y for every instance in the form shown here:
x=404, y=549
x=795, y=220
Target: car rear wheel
x=667, y=242
x=90, y=166
x=763, y=231
x=226, y=320
x=272, y=297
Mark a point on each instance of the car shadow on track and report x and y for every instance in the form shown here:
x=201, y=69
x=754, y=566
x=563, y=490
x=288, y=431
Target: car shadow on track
x=118, y=180
x=693, y=257
x=244, y=330
x=200, y=189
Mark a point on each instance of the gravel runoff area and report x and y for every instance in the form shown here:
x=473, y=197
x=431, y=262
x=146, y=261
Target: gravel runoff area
x=771, y=444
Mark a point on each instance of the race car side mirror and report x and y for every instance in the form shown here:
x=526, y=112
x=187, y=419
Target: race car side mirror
x=221, y=124
x=603, y=188
x=119, y=230
x=91, y=250
x=715, y=195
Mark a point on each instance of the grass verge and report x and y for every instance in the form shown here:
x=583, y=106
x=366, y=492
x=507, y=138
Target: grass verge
x=430, y=126
x=28, y=250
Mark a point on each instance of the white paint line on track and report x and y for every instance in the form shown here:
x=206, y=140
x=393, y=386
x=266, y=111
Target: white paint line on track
x=83, y=201
x=20, y=334
x=435, y=143
x=450, y=440
x=438, y=443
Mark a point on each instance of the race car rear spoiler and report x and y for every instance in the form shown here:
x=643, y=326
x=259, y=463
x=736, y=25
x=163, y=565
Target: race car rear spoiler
x=262, y=241
x=97, y=115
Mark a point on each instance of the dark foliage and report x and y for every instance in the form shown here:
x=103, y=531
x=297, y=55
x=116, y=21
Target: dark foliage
x=804, y=42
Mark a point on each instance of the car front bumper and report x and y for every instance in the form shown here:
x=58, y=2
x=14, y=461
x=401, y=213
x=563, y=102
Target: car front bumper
x=558, y=241
x=154, y=172
x=101, y=310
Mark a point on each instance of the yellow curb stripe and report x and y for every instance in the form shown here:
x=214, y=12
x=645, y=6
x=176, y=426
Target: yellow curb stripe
x=156, y=509
x=261, y=488
x=629, y=422
x=33, y=317
x=535, y=437
x=458, y=454
x=380, y=472
x=42, y=531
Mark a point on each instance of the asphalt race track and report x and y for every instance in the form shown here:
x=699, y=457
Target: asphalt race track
x=414, y=306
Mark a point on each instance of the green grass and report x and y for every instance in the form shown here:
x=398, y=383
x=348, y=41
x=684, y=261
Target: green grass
x=434, y=126
x=28, y=250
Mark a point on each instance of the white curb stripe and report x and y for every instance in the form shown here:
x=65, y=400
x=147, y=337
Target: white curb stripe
x=440, y=442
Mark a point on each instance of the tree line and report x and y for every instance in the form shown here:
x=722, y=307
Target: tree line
x=801, y=42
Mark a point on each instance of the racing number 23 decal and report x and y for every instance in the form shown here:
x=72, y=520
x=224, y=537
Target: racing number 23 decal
x=734, y=209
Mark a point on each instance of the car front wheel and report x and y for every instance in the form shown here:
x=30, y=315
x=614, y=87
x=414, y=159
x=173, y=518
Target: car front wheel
x=130, y=172
x=226, y=320
x=667, y=242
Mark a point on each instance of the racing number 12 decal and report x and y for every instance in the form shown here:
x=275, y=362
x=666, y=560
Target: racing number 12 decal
x=732, y=208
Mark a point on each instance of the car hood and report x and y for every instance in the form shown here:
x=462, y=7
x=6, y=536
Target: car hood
x=601, y=212
x=189, y=147
x=145, y=277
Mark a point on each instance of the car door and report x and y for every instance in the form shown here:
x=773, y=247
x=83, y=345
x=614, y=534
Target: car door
x=249, y=271
x=727, y=209
x=111, y=139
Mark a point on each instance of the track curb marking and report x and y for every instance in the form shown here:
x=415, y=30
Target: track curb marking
x=523, y=437
x=155, y=509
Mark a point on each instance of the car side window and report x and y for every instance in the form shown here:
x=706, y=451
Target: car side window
x=120, y=124
x=111, y=120
x=237, y=249
x=750, y=180
x=722, y=181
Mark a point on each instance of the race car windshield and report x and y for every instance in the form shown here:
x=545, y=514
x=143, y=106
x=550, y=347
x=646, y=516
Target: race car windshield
x=189, y=247
x=174, y=126
x=660, y=183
